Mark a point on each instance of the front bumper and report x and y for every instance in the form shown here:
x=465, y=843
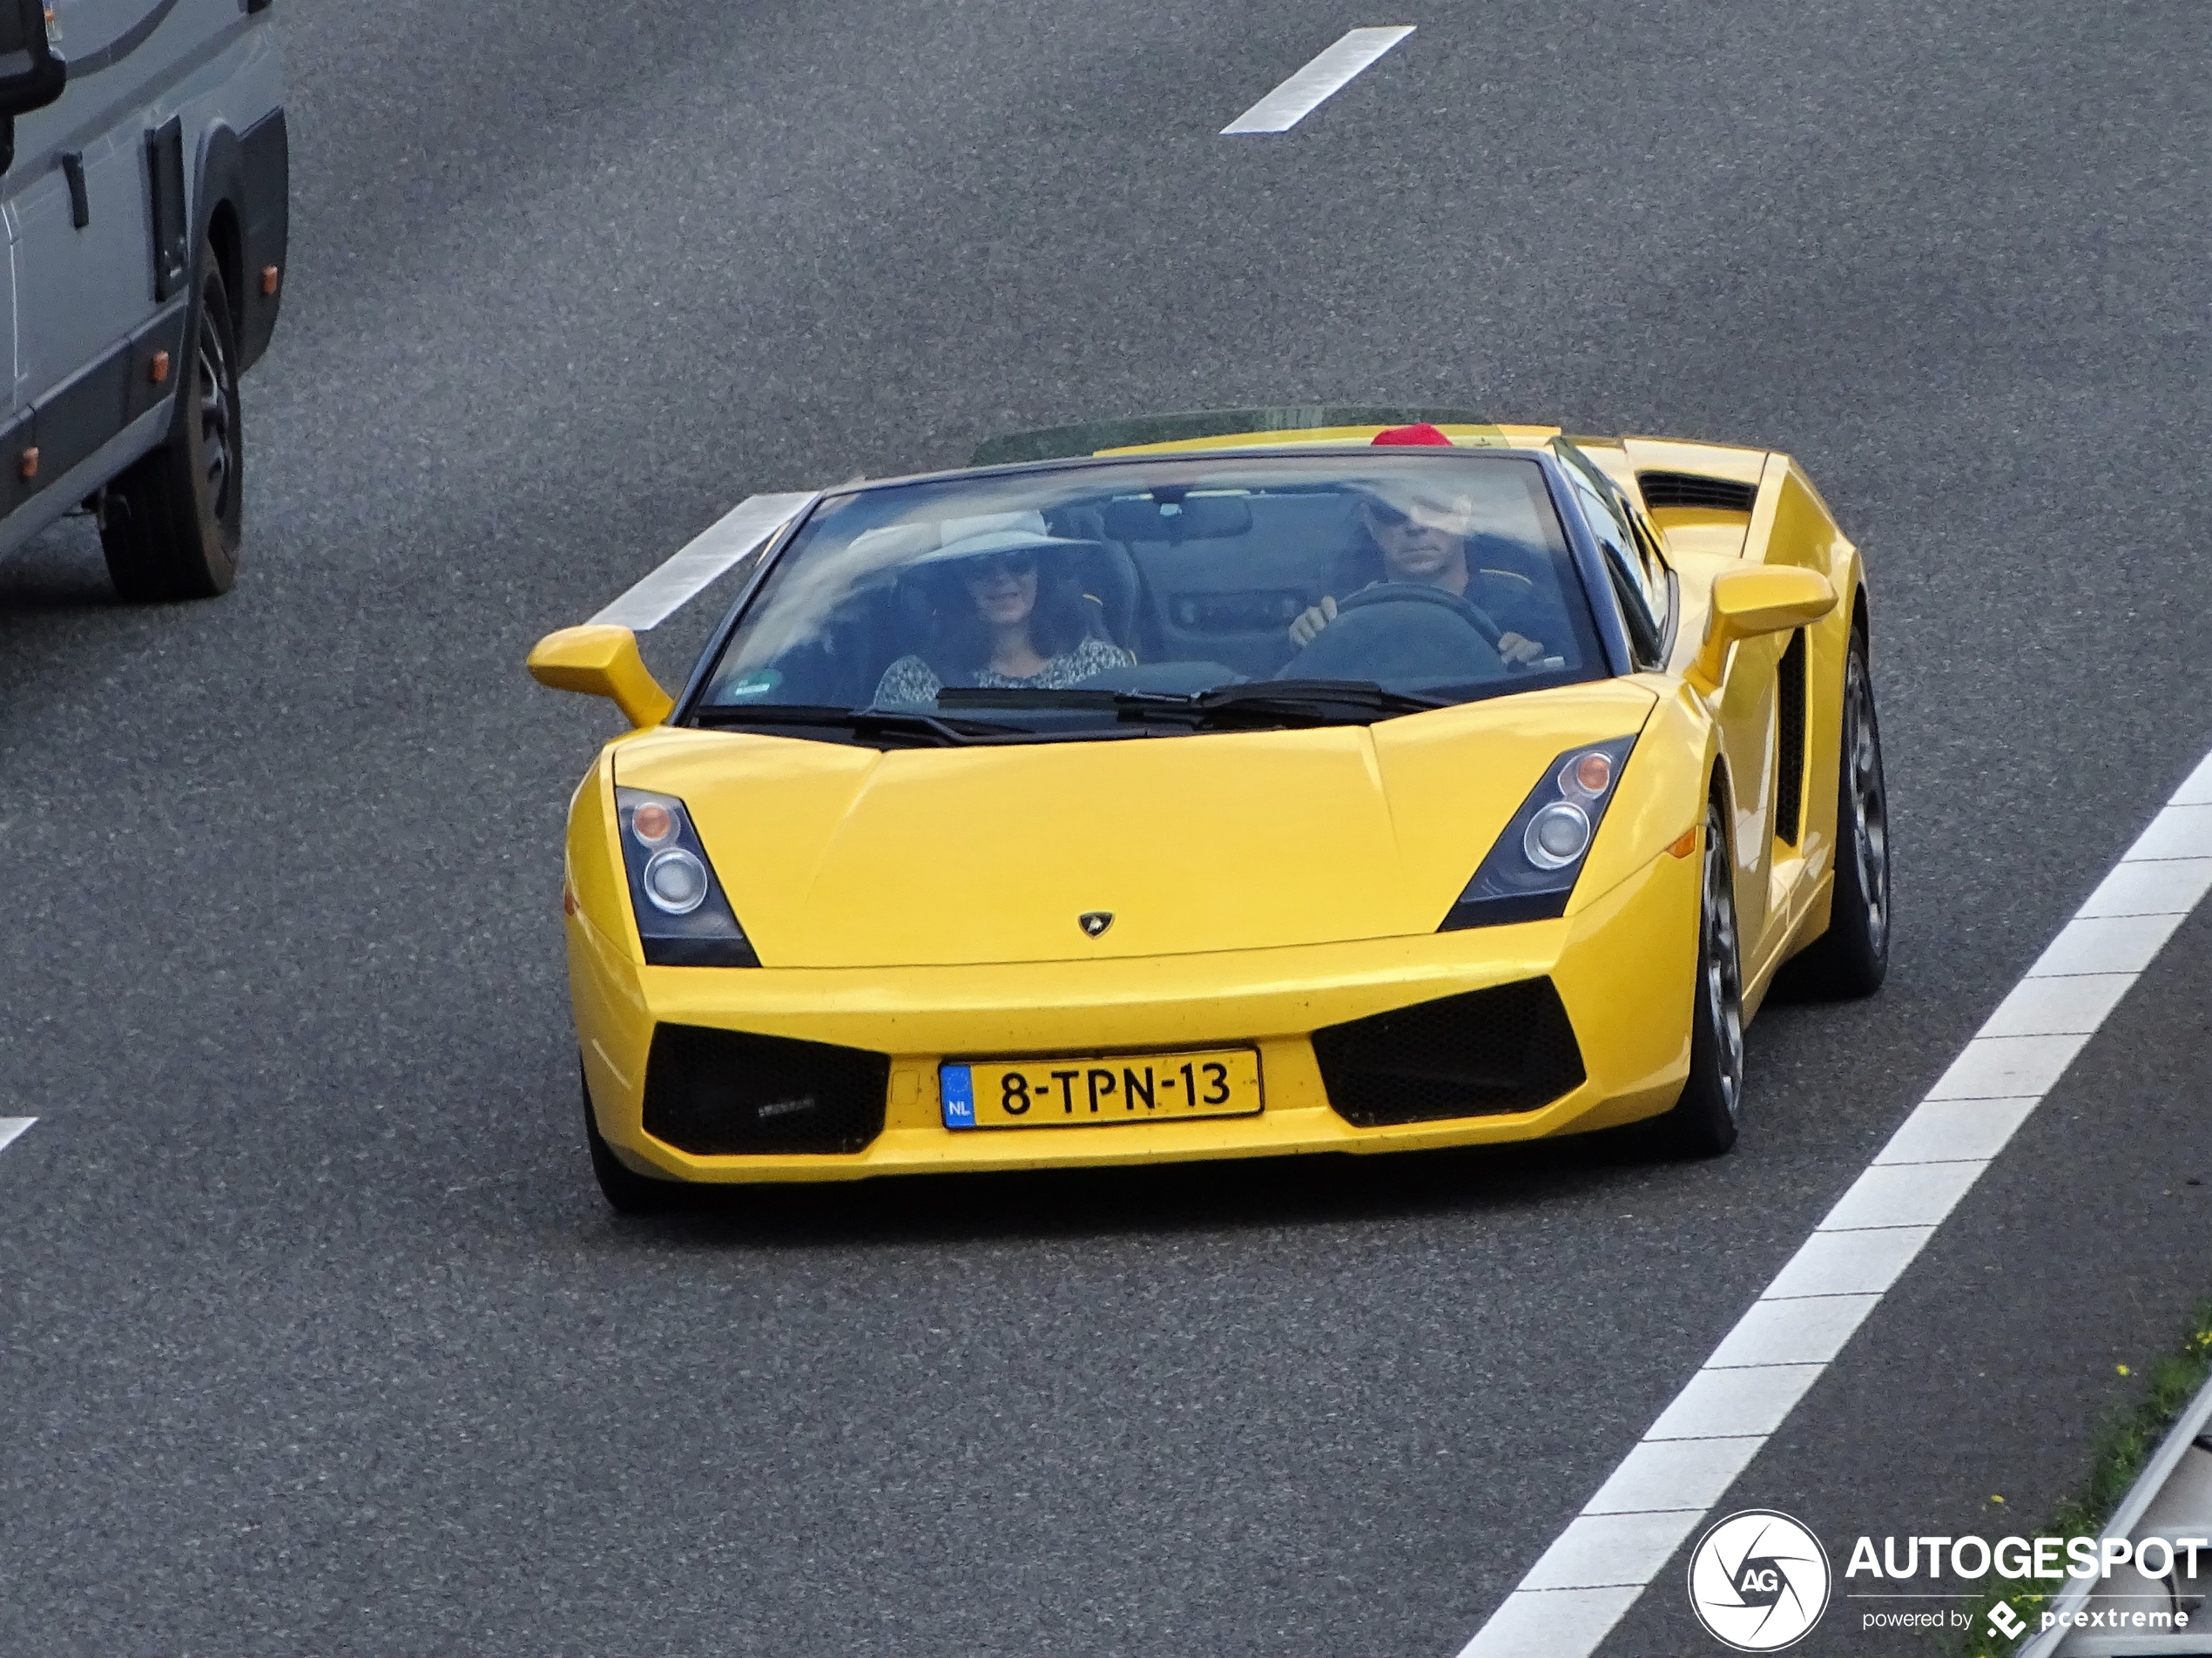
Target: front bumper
x=1623, y=968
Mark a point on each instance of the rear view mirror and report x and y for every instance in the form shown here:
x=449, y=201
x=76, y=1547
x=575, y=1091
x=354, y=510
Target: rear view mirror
x=602, y=660
x=30, y=75
x=1195, y=517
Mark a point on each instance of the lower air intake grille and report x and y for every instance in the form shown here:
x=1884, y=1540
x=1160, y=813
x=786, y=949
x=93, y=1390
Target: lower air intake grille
x=718, y=1092
x=1687, y=490
x=1508, y=1049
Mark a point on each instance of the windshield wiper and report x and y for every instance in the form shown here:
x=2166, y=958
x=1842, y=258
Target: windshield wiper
x=1280, y=702
x=1024, y=696
x=1324, y=698
x=1321, y=702
x=916, y=729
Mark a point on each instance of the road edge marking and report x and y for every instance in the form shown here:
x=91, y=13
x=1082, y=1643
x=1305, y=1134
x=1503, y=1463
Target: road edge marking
x=1596, y=1570
x=11, y=1130
x=1336, y=68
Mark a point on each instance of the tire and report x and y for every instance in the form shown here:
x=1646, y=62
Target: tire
x=1704, y=1120
x=170, y=523
x=1852, y=957
x=626, y=1191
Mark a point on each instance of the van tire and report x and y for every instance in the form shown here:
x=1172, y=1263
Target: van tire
x=170, y=522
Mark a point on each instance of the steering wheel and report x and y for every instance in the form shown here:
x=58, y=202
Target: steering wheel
x=1414, y=593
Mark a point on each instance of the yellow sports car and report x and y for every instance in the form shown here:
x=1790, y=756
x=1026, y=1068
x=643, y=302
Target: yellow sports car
x=1222, y=786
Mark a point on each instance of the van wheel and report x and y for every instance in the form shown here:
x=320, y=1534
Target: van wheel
x=1703, y=1122
x=170, y=523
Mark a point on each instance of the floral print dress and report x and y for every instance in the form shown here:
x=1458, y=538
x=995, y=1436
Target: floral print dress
x=912, y=680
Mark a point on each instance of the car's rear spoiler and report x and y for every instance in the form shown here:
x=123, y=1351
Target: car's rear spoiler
x=1089, y=437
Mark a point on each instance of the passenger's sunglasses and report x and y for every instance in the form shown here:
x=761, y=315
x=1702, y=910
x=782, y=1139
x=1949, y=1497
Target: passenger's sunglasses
x=986, y=565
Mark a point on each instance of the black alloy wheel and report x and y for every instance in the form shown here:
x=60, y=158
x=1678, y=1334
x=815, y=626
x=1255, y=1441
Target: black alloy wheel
x=171, y=524
x=1852, y=957
x=1704, y=1120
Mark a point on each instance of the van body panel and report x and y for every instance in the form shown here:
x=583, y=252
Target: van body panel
x=96, y=287
x=7, y=323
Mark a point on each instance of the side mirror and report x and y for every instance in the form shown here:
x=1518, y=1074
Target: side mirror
x=30, y=75
x=602, y=660
x=1774, y=599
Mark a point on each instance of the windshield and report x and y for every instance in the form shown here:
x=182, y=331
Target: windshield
x=1108, y=599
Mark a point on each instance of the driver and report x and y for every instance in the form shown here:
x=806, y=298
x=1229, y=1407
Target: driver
x=1422, y=530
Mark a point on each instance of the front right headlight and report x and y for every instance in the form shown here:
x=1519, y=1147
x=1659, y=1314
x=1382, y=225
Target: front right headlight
x=1530, y=873
x=683, y=919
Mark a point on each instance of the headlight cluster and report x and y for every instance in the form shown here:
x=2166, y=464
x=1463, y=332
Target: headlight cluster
x=683, y=919
x=1530, y=873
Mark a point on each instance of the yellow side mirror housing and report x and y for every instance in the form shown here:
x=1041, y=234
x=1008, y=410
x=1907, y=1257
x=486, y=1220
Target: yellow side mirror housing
x=602, y=660
x=1775, y=598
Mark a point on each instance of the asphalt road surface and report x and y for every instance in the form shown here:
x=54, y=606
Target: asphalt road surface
x=314, y=1336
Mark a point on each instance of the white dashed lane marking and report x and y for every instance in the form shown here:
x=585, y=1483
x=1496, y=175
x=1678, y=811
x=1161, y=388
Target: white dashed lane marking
x=10, y=1128
x=1312, y=86
x=1587, y=1579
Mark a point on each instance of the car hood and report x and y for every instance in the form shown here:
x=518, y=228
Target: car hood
x=839, y=856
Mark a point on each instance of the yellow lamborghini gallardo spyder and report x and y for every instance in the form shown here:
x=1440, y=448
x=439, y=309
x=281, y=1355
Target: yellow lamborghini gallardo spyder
x=1222, y=786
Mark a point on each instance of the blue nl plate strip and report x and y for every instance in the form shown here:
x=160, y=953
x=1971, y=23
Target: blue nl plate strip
x=956, y=1094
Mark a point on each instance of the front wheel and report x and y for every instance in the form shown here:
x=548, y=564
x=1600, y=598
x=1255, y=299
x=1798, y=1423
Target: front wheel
x=1703, y=1122
x=170, y=523
x=1852, y=957
x=625, y=1189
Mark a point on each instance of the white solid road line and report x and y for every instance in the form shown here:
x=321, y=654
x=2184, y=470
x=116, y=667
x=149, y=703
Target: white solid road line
x=1590, y=1578
x=11, y=1128
x=744, y=529
x=1306, y=92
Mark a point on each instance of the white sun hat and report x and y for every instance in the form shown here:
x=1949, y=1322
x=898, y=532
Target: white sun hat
x=997, y=532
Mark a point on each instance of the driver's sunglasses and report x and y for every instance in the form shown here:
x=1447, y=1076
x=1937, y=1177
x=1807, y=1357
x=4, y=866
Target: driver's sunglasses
x=1387, y=517
x=986, y=565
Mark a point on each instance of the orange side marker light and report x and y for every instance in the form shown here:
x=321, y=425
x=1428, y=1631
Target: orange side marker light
x=270, y=276
x=1686, y=845
x=157, y=367
x=29, y=465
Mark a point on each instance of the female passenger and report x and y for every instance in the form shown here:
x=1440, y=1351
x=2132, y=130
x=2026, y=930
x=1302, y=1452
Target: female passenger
x=1003, y=624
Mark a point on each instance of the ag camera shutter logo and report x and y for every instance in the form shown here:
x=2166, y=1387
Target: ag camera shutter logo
x=1758, y=1580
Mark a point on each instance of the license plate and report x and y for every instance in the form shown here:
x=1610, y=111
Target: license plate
x=1069, y=1093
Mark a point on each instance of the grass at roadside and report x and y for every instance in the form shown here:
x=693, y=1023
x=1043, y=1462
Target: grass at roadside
x=2123, y=1443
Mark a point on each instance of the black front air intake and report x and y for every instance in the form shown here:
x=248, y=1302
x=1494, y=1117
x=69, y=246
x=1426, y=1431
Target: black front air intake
x=728, y=1093
x=1688, y=489
x=1487, y=1052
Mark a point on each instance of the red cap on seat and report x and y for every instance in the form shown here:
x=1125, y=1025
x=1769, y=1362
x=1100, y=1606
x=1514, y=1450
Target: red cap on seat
x=1422, y=434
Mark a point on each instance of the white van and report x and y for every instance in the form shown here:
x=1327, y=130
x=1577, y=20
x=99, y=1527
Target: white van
x=144, y=191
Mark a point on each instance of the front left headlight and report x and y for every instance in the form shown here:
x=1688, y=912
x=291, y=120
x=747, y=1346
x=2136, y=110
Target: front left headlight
x=1530, y=873
x=683, y=919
